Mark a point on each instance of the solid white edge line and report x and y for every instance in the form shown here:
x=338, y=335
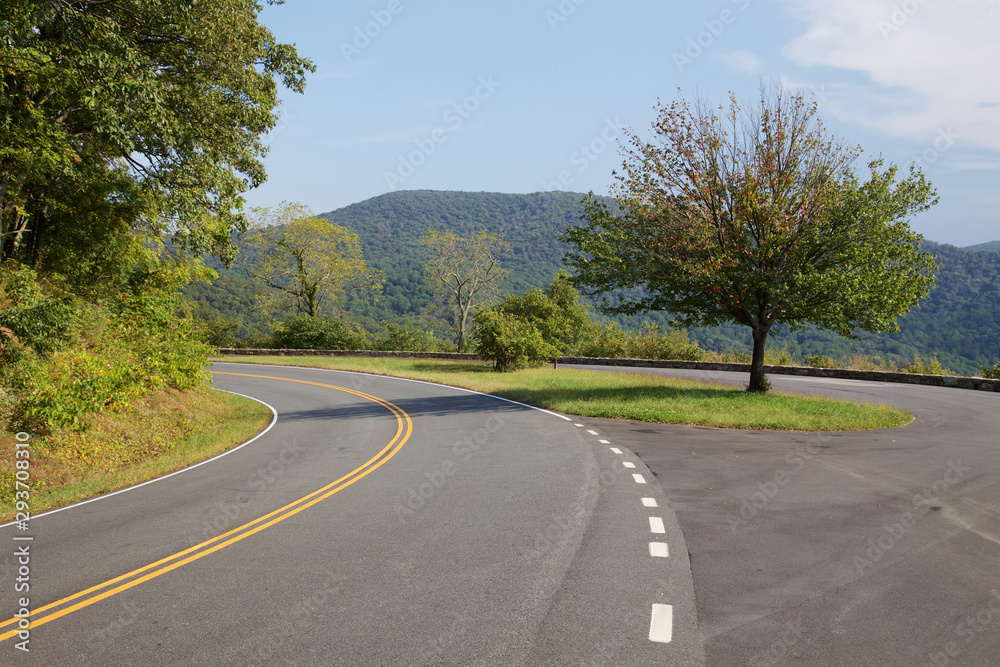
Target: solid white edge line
x=639, y=479
x=393, y=377
x=656, y=525
x=649, y=502
x=274, y=420
x=659, y=550
x=661, y=624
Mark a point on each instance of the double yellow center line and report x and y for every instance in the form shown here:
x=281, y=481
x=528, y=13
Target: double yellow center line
x=85, y=598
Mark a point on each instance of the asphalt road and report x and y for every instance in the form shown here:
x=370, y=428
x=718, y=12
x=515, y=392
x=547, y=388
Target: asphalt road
x=853, y=548
x=378, y=522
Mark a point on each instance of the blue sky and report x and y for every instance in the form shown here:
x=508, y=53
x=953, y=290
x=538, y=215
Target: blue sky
x=531, y=95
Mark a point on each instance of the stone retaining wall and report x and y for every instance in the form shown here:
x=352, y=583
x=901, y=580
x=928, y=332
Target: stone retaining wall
x=982, y=384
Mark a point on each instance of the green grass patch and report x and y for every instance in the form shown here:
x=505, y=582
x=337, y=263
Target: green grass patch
x=631, y=396
x=162, y=432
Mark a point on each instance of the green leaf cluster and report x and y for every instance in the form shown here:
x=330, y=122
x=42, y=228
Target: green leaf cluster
x=132, y=117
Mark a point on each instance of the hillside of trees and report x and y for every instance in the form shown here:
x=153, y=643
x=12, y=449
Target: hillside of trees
x=959, y=322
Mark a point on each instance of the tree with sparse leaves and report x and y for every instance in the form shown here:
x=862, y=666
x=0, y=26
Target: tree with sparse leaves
x=755, y=216
x=466, y=270
x=305, y=260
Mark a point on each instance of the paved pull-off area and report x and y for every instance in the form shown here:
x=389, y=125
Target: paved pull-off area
x=854, y=548
x=378, y=522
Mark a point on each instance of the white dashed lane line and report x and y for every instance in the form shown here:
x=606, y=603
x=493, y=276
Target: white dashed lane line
x=661, y=622
x=659, y=550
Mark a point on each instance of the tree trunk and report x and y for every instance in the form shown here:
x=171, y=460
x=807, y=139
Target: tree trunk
x=758, y=381
x=461, y=331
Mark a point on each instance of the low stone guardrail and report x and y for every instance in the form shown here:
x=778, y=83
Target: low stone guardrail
x=982, y=384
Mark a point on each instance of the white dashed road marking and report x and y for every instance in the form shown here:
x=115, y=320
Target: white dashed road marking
x=592, y=432
x=628, y=464
x=639, y=479
x=649, y=502
x=661, y=624
x=659, y=550
x=604, y=442
x=616, y=450
x=656, y=525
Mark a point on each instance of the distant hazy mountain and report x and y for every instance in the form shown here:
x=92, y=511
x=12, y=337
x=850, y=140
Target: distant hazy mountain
x=989, y=245
x=959, y=321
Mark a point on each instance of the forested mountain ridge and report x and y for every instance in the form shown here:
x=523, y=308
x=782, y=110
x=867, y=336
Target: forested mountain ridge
x=959, y=321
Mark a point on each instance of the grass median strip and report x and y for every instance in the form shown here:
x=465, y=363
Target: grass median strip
x=625, y=395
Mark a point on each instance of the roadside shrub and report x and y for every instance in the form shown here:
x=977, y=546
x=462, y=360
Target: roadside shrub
x=304, y=332
x=918, y=366
x=509, y=341
x=991, y=373
x=820, y=361
x=779, y=357
x=406, y=337
x=650, y=343
x=607, y=341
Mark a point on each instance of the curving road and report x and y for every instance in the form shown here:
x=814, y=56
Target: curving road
x=378, y=522
x=383, y=521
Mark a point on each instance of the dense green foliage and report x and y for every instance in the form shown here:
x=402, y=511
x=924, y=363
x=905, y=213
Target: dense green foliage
x=122, y=123
x=526, y=330
x=959, y=321
x=306, y=332
x=509, y=341
x=63, y=356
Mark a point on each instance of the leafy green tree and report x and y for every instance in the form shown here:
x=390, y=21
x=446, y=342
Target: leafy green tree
x=755, y=217
x=305, y=259
x=509, y=341
x=132, y=117
x=466, y=270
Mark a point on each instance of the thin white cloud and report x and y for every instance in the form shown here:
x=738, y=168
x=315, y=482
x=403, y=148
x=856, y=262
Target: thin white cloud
x=744, y=61
x=931, y=65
